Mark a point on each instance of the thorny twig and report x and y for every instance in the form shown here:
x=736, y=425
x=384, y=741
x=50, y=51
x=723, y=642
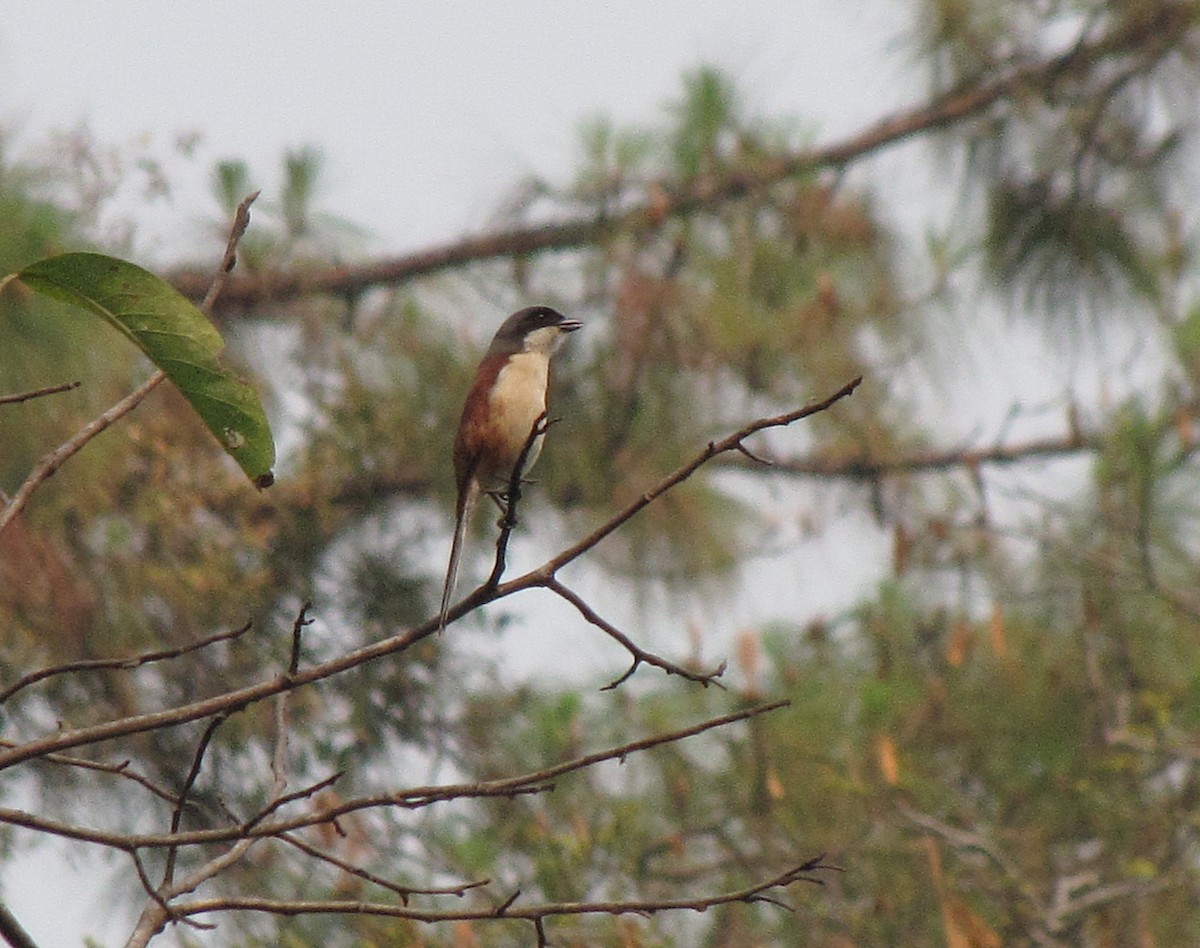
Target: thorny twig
x=756, y=893
x=539, y=781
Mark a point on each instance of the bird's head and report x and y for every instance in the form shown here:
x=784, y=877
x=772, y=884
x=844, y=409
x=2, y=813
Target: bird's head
x=533, y=329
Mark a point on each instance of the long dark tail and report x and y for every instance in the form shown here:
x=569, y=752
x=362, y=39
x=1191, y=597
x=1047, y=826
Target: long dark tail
x=462, y=515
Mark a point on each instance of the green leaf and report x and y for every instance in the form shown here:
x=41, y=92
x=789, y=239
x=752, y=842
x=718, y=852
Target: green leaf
x=178, y=339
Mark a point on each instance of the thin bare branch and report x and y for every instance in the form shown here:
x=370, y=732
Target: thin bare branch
x=49, y=465
x=38, y=393
x=640, y=655
x=757, y=892
x=101, y=664
x=188, y=782
x=159, y=911
x=12, y=932
x=241, y=220
x=729, y=443
x=405, y=892
x=302, y=794
x=870, y=469
x=508, y=520
x=120, y=770
x=302, y=620
x=412, y=798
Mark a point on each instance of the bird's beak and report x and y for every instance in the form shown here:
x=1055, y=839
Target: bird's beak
x=570, y=325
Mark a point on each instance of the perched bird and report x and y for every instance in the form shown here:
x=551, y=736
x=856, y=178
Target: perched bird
x=505, y=402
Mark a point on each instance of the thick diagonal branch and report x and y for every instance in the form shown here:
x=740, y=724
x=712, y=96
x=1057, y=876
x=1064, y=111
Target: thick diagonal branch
x=667, y=200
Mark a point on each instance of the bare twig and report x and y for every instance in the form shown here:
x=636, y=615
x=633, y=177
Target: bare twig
x=302, y=620
x=512, y=497
x=49, y=465
x=38, y=393
x=101, y=664
x=757, y=892
x=870, y=469
x=188, y=782
x=405, y=892
x=304, y=793
x=241, y=220
x=159, y=912
x=640, y=655
x=120, y=770
x=412, y=798
x=730, y=443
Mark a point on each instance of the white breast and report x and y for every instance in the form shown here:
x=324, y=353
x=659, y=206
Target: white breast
x=518, y=400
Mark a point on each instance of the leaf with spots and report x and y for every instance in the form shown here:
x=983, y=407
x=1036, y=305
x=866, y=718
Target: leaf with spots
x=176, y=337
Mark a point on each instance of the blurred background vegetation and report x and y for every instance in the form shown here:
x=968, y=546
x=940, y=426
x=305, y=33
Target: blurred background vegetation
x=998, y=740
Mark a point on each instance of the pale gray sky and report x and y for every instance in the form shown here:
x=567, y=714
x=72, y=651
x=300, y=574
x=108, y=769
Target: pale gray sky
x=427, y=112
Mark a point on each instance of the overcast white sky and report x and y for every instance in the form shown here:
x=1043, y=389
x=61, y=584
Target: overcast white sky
x=427, y=113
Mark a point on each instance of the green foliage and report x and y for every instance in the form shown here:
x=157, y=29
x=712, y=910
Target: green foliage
x=708, y=122
x=1062, y=250
x=175, y=336
x=291, y=231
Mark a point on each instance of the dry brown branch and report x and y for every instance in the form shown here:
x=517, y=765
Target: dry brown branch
x=640, y=655
x=758, y=892
x=413, y=798
x=159, y=912
x=241, y=220
x=870, y=469
x=730, y=443
x=120, y=770
x=666, y=200
x=305, y=793
x=404, y=891
x=38, y=393
x=49, y=464
x=188, y=782
x=102, y=664
x=302, y=620
x=512, y=499
x=12, y=932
